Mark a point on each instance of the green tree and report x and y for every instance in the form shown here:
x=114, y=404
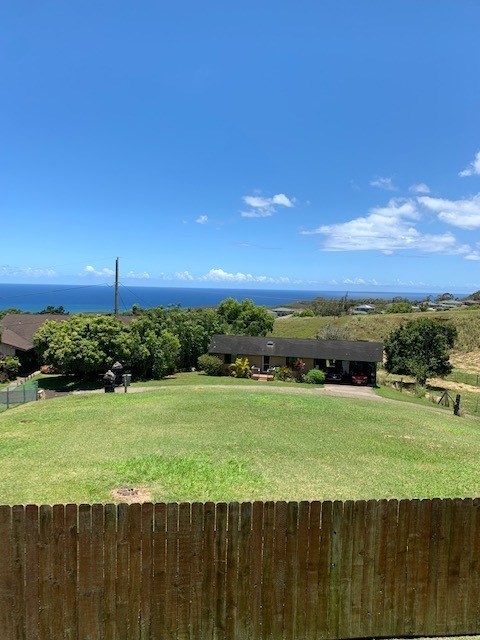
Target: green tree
x=59, y=311
x=420, y=348
x=399, y=307
x=245, y=318
x=83, y=345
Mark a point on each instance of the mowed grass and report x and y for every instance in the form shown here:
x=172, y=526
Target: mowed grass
x=231, y=444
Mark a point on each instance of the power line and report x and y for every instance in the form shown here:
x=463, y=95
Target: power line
x=40, y=293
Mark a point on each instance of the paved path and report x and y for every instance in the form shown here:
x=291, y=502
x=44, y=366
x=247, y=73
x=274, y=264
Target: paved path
x=343, y=391
x=339, y=391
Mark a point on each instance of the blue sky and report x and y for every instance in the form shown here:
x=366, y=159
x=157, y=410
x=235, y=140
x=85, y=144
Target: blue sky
x=331, y=144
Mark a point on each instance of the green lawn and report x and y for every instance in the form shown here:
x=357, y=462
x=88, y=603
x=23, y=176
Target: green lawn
x=206, y=443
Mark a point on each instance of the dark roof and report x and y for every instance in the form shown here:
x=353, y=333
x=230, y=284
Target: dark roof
x=17, y=329
x=359, y=350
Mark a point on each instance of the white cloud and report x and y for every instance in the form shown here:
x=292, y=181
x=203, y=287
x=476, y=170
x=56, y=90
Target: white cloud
x=421, y=187
x=474, y=255
x=282, y=199
x=458, y=213
x=387, y=229
x=384, y=183
x=262, y=207
x=183, y=275
x=473, y=168
x=220, y=275
x=91, y=271
x=202, y=220
x=27, y=272
x=131, y=275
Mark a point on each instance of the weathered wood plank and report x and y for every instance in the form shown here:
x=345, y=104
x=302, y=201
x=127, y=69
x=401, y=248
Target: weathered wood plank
x=324, y=568
x=455, y=595
x=18, y=566
x=401, y=567
x=279, y=569
x=368, y=593
x=71, y=577
x=345, y=570
x=232, y=586
x=358, y=552
x=7, y=623
x=96, y=570
x=268, y=569
x=256, y=572
x=422, y=563
x=196, y=574
x=58, y=577
x=171, y=595
x=380, y=558
x=110, y=571
x=473, y=610
x=220, y=570
x=158, y=627
x=244, y=618
x=122, y=576
x=134, y=569
x=45, y=566
x=147, y=570
x=390, y=565
x=411, y=566
x=445, y=522
x=335, y=560
x=184, y=566
x=302, y=564
x=208, y=584
x=311, y=600
x=291, y=582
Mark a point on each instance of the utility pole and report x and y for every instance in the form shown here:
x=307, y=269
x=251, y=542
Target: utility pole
x=115, y=311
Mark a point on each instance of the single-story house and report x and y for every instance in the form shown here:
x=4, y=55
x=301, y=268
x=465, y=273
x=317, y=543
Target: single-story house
x=363, y=308
x=17, y=330
x=343, y=356
x=280, y=312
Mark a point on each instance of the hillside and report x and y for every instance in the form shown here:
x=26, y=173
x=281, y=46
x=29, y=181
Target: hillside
x=377, y=327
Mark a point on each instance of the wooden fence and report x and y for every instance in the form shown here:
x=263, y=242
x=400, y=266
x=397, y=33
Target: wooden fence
x=252, y=570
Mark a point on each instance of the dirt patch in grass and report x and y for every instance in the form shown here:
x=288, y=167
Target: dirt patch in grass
x=131, y=495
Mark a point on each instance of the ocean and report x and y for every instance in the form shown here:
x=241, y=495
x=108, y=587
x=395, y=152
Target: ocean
x=84, y=298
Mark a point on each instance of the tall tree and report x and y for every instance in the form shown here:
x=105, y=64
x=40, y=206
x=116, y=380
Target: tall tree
x=83, y=345
x=420, y=348
x=245, y=318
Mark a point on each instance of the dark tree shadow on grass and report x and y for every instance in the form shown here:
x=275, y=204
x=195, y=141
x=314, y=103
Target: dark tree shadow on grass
x=66, y=384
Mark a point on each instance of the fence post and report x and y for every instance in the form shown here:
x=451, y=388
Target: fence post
x=24, y=395
x=8, y=398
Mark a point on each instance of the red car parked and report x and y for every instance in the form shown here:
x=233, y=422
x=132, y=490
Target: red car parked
x=359, y=378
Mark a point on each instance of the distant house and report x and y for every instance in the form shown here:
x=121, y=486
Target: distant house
x=282, y=311
x=363, y=308
x=343, y=356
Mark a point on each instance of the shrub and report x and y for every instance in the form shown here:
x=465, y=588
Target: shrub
x=284, y=374
x=9, y=366
x=211, y=365
x=315, y=376
x=240, y=368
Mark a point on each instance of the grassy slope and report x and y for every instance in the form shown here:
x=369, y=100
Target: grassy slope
x=377, y=327
x=212, y=444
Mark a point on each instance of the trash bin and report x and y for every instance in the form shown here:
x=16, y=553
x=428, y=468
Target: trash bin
x=127, y=379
